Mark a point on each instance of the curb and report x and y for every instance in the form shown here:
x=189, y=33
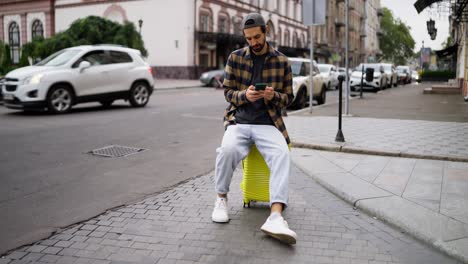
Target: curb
x=438, y=231
x=174, y=88
x=345, y=149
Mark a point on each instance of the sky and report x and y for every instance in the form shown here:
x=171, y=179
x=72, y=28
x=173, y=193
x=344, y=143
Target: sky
x=405, y=11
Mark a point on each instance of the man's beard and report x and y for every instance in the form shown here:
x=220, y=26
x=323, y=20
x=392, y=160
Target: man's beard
x=258, y=47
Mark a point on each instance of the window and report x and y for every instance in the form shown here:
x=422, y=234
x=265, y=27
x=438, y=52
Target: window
x=96, y=57
x=222, y=25
x=237, y=28
x=205, y=23
x=37, y=29
x=119, y=57
x=286, y=39
x=14, y=41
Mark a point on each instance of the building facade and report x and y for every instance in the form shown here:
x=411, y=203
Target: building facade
x=187, y=37
x=23, y=20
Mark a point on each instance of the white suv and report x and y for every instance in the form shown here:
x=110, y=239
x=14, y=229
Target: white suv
x=102, y=73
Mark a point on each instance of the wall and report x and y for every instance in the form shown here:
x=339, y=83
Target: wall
x=164, y=23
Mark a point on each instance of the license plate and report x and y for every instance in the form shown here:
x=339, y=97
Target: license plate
x=8, y=97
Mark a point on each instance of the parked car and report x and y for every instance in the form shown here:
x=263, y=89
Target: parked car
x=378, y=83
x=102, y=73
x=2, y=81
x=213, y=78
x=342, y=72
x=392, y=75
x=404, y=74
x=301, y=82
x=330, y=73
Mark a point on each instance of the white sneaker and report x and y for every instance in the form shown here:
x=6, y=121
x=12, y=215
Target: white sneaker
x=220, y=211
x=278, y=228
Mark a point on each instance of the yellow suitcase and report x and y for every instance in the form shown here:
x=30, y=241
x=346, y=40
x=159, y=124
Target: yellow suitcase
x=255, y=183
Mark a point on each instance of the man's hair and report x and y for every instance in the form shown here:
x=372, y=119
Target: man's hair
x=263, y=28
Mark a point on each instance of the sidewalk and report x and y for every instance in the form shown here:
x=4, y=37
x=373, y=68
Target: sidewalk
x=168, y=84
x=418, y=181
x=175, y=227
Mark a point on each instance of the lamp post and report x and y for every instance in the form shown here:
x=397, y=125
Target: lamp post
x=140, y=23
x=421, y=55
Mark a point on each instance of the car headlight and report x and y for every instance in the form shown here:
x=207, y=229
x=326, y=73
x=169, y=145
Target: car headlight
x=205, y=75
x=35, y=79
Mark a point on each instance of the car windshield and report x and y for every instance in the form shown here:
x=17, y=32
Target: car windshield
x=387, y=67
x=58, y=58
x=323, y=68
x=299, y=68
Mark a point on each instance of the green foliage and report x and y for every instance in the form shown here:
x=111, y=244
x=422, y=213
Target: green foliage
x=396, y=42
x=438, y=74
x=86, y=31
x=447, y=43
x=6, y=63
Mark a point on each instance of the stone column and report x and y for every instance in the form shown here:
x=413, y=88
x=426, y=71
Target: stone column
x=24, y=29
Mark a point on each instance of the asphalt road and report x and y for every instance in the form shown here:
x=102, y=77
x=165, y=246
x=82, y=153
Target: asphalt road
x=49, y=180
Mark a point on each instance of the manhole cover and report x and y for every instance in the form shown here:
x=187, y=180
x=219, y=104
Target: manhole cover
x=115, y=151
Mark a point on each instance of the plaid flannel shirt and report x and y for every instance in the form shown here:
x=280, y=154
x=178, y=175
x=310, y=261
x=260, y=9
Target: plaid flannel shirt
x=276, y=73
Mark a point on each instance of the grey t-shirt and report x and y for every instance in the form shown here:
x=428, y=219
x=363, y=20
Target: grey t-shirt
x=255, y=113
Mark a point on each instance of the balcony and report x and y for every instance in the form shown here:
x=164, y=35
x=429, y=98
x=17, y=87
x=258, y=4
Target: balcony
x=379, y=11
x=340, y=22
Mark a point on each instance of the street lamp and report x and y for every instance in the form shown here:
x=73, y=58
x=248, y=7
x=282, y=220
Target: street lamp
x=430, y=26
x=140, y=23
x=433, y=34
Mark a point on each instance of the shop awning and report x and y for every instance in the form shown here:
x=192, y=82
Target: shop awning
x=447, y=51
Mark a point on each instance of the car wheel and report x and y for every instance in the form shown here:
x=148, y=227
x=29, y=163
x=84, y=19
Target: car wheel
x=139, y=94
x=395, y=84
x=59, y=99
x=302, y=98
x=106, y=103
x=323, y=96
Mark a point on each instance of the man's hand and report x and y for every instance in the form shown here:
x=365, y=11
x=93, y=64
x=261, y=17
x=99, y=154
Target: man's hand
x=269, y=93
x=253, y=95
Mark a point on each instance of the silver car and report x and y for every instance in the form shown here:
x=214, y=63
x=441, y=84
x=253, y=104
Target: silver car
x=213, y=78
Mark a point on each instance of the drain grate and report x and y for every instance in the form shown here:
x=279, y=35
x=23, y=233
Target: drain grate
x=115, y=151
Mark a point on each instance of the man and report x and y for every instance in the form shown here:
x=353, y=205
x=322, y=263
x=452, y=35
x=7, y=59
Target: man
x=254, y=117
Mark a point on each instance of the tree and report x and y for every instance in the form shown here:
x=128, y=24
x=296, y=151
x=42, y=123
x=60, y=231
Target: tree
x=6, y=59
x=396, y=42
x=447, y=43
x=88, y=31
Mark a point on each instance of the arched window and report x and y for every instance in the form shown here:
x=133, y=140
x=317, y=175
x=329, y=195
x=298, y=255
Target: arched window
x=37, y=29
x=14, y=41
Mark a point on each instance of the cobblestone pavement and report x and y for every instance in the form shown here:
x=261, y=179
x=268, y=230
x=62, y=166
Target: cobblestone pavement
x=175, y=227
x=415, y=137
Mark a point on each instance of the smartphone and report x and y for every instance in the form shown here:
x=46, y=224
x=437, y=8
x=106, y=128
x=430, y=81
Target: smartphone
x=260, y=86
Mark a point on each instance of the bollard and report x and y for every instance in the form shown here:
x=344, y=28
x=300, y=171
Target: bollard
x=339, y=136
x=362, y=80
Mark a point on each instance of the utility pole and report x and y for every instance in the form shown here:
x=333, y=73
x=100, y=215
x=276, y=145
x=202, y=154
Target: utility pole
x=347, y=57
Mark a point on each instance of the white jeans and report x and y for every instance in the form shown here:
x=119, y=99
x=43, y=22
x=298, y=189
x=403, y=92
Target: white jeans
x=236, y=144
